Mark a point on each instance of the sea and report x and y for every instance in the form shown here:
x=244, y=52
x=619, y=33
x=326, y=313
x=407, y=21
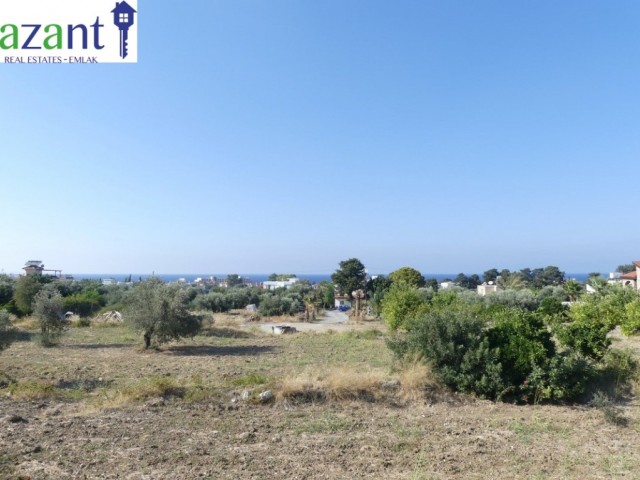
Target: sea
x=257, y=277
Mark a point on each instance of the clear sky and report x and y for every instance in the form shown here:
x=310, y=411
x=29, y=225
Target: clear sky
x=287, y=135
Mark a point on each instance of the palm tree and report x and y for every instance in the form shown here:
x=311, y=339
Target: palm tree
x=572, y=289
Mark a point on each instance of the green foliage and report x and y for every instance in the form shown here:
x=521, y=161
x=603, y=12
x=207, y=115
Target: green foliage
x=160, y=312
x=490, y=275
x=453, y=342
x=213, y=301
x=523, y=299
x=84, y=303
x=350, y=276
x=7, y=285
x=573, y=289
x=402, y=306
x=564, y=378
x=496, y=352
x=25, y=291
x=587, y=336
x=631, y=323
x=327, y=294
x=6, y=330
x=376, y=290
x=272, y=305
x=591, y=319
x=469, y=282
x=408, y=275
x=234, y=280
x=48, y=306
x=523, y=342
x=275, y=277
x=115, y=294
x=532, y=278
x=626, y=268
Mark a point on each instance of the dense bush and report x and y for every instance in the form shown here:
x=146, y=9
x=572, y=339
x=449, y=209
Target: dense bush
x=84, y=303
x=402, y=305
x=455, y=345
x=631, y=323
x=504, y=353
x=523, y=342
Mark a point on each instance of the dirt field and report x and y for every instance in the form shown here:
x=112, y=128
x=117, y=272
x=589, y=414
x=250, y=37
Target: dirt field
x=97, y=407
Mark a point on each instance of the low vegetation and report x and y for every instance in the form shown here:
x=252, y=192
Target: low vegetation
x=510, y=346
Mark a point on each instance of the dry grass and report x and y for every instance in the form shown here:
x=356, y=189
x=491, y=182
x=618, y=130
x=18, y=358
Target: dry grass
x=332, y=384
x=411, y=383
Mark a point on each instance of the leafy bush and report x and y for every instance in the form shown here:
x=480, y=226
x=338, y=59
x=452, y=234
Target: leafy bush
x=505, y=353
x=586, y=336
x=523, y=299
x=523, y=342
x=564, y=378
x=273, y=305
x=631, y=323
x=213, y=301
x=84, y=303
x=402, y=305
x=453, y=342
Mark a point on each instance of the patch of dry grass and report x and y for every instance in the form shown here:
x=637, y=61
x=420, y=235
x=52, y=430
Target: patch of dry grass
x=340, y=384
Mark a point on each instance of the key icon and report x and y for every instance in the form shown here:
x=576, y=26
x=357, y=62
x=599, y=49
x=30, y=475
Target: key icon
x=123, y=18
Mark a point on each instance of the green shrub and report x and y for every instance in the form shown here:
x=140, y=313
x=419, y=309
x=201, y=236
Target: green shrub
x=402, y=305
x=84, y=303
x=523, y=342
x=586, y=336
x=631, y=323
x=453, y=342
x=564, y=378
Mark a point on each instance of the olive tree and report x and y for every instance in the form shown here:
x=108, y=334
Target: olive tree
x=160, y=312
x=48, y=306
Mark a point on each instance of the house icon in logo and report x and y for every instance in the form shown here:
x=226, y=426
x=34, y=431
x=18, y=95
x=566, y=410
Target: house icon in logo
x=123, y=18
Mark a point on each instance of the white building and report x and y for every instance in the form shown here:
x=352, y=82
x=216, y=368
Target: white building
x=627, y=279
x=487, y=288
x=273, y=284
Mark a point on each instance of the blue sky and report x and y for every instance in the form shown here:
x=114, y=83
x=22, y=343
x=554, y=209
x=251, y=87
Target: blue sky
x=287, y=135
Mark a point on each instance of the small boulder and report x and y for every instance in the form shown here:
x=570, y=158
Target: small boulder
x=266, y=396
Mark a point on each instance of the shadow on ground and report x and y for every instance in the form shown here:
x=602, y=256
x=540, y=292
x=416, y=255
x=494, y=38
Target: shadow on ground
x=219, y=351
x=22, y=336
x=224, y=332
x=96, y=346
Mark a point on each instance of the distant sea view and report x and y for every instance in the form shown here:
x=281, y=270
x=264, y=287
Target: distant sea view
x=257, y=277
